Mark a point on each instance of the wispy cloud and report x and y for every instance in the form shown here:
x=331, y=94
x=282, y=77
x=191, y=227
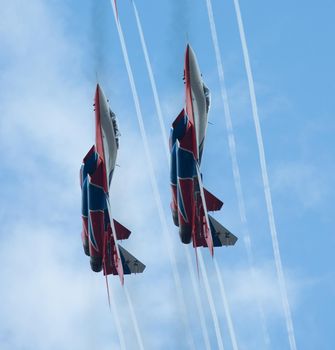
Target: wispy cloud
x=302, y=182
x=50, y=298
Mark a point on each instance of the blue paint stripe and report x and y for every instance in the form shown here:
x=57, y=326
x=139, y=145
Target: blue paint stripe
x=96, y=198
x=173, y=166
x=185, y=164
x=179, y=130
x=84, y=198
x=90, y=165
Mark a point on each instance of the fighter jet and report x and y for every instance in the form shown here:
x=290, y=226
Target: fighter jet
x=100, y=231
x=190, y=200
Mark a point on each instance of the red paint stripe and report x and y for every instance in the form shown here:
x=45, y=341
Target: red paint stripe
x=98, y=134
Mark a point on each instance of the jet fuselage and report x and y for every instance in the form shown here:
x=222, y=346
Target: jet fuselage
x=190, y=200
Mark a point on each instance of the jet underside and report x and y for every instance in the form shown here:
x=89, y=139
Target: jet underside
x=100, y=231
x=190, y=200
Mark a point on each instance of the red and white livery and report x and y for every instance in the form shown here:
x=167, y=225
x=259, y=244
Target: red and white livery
x=100, y=231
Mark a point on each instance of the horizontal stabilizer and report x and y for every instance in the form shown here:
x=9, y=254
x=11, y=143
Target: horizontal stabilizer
x=221, y=236
x=121, y=231
x=130, y=263
x=212, y=203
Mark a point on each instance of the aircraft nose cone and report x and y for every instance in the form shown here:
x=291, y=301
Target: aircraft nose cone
x=189, y=53
x=187, y=48
x=100, y=95
x=190, y=59
x=97, y=93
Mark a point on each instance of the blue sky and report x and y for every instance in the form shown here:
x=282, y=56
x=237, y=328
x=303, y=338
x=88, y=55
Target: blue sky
x=51, y=54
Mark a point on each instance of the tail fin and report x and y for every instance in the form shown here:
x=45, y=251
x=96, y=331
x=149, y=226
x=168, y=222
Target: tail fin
x=130, y=263
x=213, y=203
x=221, y=236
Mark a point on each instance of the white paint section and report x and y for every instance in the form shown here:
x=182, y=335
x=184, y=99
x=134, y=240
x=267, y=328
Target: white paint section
x=108, y=135
x=198, y=99
x=154, y=186
x=266, y=185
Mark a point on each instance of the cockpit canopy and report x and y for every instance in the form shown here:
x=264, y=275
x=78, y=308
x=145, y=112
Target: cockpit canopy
x=115, y=127
x=207, y=96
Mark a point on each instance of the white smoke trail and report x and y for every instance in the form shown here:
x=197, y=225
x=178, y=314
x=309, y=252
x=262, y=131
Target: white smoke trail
x=211, y=303
x=233, y=156
x=118, y=324
x=134, y=319
x=198, y=300
x=218, y=274
x=226, y=307
x=154, y=184
x=152, y=81
x=247, y=243
x=267, y=192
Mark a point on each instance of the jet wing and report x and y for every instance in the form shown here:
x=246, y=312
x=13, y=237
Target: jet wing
x=130, y=263
x=221, y=236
